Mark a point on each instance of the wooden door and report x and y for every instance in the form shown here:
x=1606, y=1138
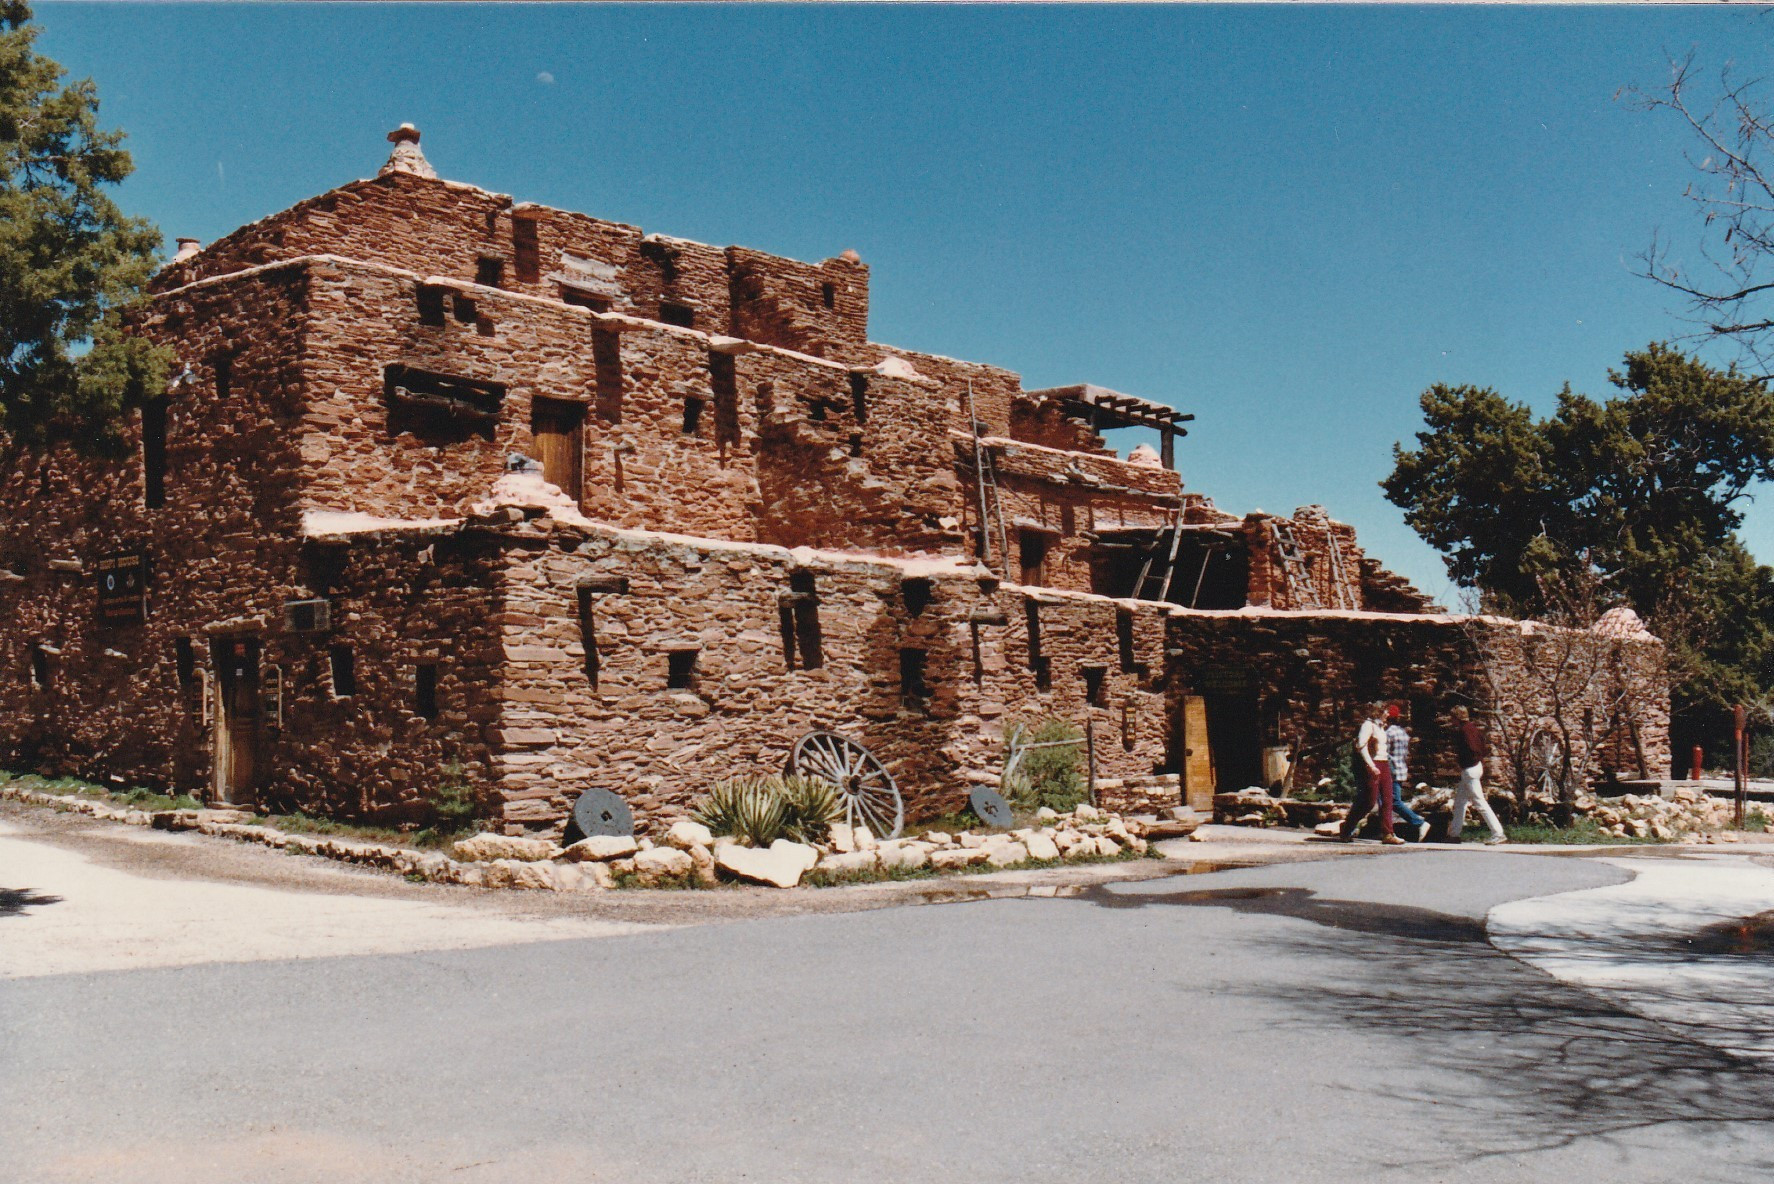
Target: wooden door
x=238, y=717
x=1198, y=772
x=559, y=429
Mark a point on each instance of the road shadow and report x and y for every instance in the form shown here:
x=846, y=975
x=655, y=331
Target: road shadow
x=1501, y=1061
x=14, y=901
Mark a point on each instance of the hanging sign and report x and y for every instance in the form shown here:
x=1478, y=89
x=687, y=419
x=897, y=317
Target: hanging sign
x=122, y=583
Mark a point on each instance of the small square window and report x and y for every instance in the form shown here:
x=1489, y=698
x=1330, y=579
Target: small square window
x=431, y=305
x=572, y=295
x=489, y=272
x=692, y=416
x=1093, y=685
x=465, y=309
x=680, y=672
x=828, y=294
x=681, y=315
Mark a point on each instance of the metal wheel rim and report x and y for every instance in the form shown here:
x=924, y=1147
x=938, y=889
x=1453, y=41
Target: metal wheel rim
x=871, y=797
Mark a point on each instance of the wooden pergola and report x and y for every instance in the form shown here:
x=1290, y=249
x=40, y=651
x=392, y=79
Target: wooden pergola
x=1103, y=408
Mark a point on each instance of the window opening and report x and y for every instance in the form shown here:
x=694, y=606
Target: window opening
x=525, y=250
x=425, y=690
x=1126, y=726
x=914, y=691
x=584, y=299
x=680, y=671
x=1039, y=663
x=489, y=271
x=723, y=384
x=344, y=671
x=185, y=661
x=859, y=396
x=1124, y=641
x=588, y=634
x=1093, y=684
x=1032, y=547
x=39, y=668
x=799, y=612
x=606, y=355
x=431, y=304
x=917, y=592
x=154, y=453
x=224, y=368
x=681, y=315
x=692, y=415
x=441, y=408
x=828, y=295
x=464, y=309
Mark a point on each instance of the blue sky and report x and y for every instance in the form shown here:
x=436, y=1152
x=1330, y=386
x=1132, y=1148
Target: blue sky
x=1288, y=220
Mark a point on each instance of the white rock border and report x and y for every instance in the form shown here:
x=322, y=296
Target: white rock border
x=689, y=851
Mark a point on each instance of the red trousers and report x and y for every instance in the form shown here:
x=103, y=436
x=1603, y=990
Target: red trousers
x=1376, y=787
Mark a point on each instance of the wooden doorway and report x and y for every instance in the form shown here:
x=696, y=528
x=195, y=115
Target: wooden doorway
x=559, y=429
x=1198, y=771
x=238, y=718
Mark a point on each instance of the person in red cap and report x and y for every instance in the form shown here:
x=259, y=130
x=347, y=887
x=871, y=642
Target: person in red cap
x=1398, y=748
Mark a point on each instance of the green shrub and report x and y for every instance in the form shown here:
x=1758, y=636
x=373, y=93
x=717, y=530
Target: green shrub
x=1048, y=777
x=455, y=807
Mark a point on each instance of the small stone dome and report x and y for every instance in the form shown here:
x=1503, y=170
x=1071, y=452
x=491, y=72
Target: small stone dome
x=1145, y=456
x=1623, y=623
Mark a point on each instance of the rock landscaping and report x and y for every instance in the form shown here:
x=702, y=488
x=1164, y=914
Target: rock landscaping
x=689, y=854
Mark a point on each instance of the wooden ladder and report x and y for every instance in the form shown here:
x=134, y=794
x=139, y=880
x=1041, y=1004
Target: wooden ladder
x=991, y=504
x=1294, y=575
x=1150, y=572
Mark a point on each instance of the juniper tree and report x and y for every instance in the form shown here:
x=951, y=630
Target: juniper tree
x=71, y=262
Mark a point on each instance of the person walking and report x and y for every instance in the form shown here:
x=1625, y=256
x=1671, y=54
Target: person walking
x=1471, y=749
x=1398, y=749
x=1375, y=767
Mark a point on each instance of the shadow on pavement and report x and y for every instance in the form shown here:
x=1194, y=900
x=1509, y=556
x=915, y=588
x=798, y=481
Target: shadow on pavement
x=1521, y=1068
x=14, y=901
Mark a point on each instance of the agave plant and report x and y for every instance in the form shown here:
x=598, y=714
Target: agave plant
x=752, y=810
x=812, y=807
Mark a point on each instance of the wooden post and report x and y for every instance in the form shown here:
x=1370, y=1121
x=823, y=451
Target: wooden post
x=1090, y=757
x=1740, y=767
x=1694, y=769
x=1167, y=439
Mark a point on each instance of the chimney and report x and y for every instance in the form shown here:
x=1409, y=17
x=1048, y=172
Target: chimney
x=187, y=248
x=406, y=157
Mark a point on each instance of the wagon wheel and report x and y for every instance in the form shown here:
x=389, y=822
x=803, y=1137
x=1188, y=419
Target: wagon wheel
x=1545, y=764
x=863, y=783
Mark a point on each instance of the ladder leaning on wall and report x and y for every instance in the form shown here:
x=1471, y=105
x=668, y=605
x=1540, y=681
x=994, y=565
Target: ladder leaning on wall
x=1156, y=571
x=991, y=504
x=1294, y=577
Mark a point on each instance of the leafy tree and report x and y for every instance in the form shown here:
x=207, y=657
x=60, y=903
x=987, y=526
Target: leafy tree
x=1629, y=500
x=70, y=261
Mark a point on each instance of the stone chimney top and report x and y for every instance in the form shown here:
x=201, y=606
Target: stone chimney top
x=850, y=255
x=187, y=248
x=406, y=157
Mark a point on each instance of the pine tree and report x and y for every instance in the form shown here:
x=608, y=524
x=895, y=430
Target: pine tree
x=71, y=262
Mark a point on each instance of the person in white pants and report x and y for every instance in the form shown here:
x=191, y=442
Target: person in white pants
x=1471, y=749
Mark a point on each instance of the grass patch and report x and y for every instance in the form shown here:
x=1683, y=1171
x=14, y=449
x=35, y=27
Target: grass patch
x=1583, y=831
x=825, y=878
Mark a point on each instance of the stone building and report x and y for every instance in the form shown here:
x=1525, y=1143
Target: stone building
x=449, y=485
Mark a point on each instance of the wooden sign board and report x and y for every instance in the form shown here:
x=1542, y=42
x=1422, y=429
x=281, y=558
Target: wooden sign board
x=122, y=584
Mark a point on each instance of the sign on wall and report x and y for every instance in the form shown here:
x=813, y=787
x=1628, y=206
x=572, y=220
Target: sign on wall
x=122, y=582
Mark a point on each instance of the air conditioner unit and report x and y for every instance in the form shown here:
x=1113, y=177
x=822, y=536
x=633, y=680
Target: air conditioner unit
x=307, y=616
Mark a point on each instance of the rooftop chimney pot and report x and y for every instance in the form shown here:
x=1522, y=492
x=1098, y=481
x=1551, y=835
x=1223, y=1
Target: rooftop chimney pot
x=406, y=157
x=187, y=248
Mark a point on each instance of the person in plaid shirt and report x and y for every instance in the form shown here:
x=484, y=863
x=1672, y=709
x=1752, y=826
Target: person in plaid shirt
x=1398, y=747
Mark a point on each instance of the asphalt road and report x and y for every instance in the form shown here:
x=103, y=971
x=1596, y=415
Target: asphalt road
x=1326, y=1021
